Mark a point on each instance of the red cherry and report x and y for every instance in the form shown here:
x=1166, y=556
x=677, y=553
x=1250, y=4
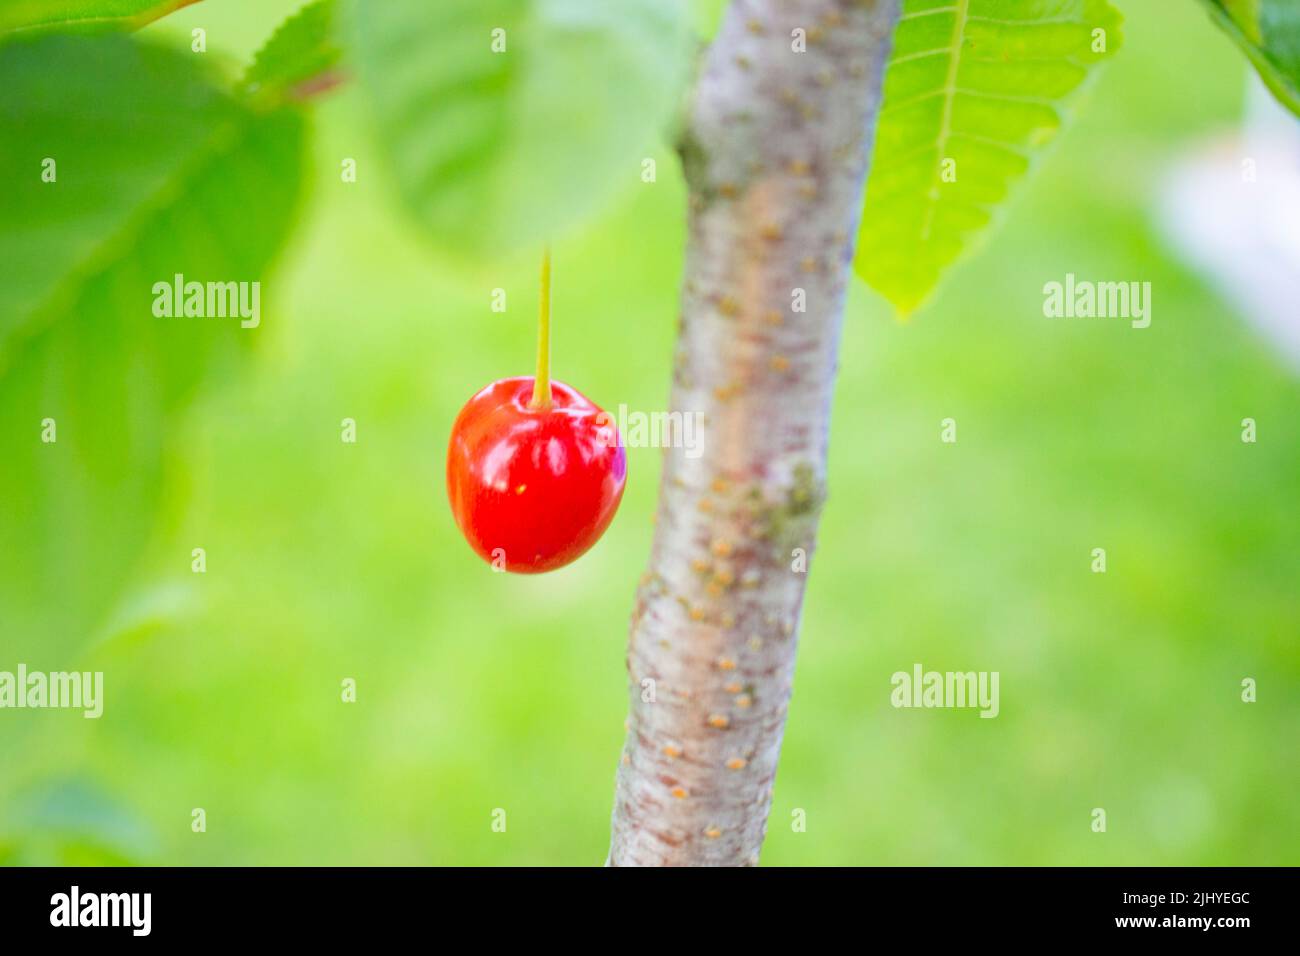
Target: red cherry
x=534, y=487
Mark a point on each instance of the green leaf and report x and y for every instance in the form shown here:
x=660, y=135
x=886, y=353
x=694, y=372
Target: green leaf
x=973, y=92
x=155, y=172
x=83, y=16
x=73, y=821
x=1268, y=32
x=304, y=49
x=494, y=150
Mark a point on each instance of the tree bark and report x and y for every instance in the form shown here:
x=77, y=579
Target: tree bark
x=775, y=152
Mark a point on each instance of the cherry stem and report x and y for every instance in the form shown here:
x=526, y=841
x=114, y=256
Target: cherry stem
x=542, y=383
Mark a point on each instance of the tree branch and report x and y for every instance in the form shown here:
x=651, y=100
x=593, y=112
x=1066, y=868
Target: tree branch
x=775, y=154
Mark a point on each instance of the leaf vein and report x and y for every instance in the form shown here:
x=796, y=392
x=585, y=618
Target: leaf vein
x=945, y=120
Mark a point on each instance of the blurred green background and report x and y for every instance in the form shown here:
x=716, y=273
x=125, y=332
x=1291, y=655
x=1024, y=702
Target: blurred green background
x=479, y=691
